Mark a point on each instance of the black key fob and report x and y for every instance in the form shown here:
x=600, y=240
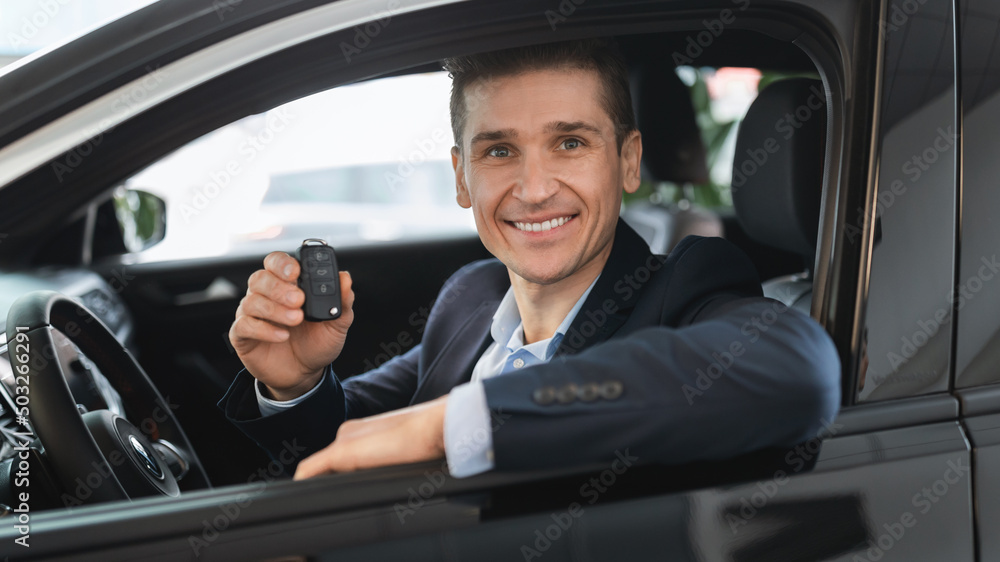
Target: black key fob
x=319, y=280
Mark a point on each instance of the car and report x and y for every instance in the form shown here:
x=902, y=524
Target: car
x=860, y=183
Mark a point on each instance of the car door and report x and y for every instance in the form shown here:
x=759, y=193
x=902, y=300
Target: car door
x=977, y=291
x=893, y=475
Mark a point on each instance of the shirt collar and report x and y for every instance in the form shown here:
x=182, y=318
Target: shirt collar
x=508, y=330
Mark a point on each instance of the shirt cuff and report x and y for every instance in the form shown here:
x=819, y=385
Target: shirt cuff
x=268, y=406
x=468, y=442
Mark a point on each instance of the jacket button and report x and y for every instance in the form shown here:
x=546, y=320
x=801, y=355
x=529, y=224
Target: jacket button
x=544, y=396
x=566, y=394
x=612, y=389
x=589, y=392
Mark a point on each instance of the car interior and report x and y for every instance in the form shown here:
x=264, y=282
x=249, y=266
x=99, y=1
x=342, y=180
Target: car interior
x=182, y=343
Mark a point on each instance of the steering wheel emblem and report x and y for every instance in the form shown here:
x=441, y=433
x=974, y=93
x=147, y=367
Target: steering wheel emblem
x=147, y=459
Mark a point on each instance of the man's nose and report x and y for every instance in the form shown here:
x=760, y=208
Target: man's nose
x=537, y=181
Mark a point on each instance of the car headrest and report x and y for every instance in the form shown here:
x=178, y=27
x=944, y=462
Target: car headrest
x=672, y=149
x=778, y=166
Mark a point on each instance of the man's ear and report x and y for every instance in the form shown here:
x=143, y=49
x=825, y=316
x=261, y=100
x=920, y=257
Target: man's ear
x=631, y=157
x=462, y=191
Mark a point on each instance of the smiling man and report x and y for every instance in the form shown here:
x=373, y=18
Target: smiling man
x=575, y=344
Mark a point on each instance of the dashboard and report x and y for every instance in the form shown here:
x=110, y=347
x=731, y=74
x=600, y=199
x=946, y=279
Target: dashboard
x=89, y=386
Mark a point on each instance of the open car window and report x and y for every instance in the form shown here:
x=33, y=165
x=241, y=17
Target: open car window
x=358, y=164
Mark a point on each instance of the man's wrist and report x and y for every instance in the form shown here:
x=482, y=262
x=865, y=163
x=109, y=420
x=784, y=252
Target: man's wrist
x=286, y=394
x=437, y=413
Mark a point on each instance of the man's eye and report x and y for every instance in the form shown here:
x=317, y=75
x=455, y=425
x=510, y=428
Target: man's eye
x=499, y=152
x=570, y=144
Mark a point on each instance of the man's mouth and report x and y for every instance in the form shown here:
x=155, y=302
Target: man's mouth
x=542, y=226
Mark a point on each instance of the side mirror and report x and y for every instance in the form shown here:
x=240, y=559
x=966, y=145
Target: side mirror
x=142, y=218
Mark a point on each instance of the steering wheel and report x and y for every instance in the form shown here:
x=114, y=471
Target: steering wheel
x=96, y=456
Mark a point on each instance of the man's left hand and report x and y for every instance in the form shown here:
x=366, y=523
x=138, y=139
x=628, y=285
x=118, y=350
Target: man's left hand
x=408, y=435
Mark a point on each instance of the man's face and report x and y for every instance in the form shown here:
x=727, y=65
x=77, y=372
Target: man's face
x=542, y=173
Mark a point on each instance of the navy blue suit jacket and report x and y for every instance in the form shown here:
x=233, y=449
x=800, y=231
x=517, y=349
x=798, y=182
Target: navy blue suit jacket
x=675, y=358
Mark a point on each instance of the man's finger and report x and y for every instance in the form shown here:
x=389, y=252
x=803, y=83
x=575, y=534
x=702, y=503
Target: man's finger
x=266, y=283
x=249, y=328
x=283, y=265
x=264, y=308
x=324, y=461
x=346, y=290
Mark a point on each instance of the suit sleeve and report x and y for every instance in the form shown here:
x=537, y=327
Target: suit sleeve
x=312, y=424
x=736, y=374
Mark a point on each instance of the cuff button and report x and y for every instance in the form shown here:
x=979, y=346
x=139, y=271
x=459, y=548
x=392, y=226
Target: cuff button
x=544, y=396
x=612, y=389
x=589, y=392
x=566, y=394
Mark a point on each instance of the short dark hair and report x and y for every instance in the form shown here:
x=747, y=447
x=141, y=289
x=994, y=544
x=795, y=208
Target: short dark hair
x=602, y=56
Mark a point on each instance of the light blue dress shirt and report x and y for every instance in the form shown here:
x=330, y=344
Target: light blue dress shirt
x=468, y=430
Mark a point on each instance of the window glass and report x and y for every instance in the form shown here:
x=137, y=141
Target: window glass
x=358, y=164
x=906, y=342
x=977, y=294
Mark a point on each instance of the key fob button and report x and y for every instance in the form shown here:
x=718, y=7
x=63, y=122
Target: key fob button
x=322, y=288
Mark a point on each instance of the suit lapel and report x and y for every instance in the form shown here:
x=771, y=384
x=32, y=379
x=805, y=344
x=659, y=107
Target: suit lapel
x=616, y=290
x=455, y=363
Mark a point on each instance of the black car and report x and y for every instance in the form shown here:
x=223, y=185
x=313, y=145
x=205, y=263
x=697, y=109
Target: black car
x=860, y=184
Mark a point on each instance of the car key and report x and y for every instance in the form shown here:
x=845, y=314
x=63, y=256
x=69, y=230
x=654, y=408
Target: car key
x=319, y=280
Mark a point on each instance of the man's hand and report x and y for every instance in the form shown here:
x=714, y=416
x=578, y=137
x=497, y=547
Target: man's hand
x=271, y=337
x=408, y=435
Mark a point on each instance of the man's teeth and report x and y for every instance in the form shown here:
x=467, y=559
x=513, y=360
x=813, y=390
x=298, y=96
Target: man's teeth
x=540, y=226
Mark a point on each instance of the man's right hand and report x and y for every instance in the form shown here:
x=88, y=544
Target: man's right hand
x=280, y=349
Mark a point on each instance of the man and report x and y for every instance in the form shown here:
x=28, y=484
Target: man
x=575, y=343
